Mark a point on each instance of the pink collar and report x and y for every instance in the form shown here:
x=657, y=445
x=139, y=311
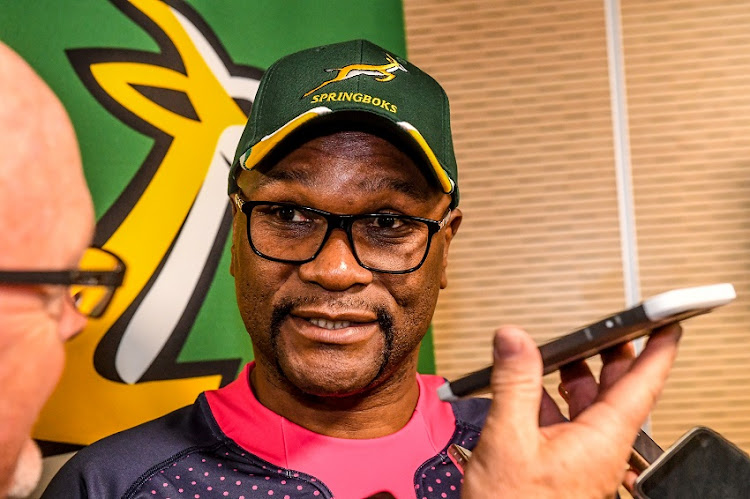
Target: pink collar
x=336, y=461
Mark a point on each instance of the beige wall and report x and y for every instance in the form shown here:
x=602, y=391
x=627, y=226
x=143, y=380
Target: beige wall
x=540, y=245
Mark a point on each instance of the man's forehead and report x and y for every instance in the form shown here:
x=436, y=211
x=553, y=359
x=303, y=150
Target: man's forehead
x=369, y=162
x=34, y=125
x=376, y=183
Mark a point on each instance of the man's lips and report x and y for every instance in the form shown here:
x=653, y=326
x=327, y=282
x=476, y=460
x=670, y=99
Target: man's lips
x=341, y=329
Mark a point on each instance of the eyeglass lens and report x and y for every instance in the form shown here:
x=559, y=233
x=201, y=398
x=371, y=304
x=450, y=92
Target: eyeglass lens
x=93, y=300
x=386, y=242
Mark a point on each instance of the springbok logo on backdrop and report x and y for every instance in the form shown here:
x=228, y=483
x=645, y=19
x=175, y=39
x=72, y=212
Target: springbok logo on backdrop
x=170, y=224
x=384, y=72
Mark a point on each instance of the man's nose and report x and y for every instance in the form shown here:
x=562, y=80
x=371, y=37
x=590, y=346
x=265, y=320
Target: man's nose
x=335, y=268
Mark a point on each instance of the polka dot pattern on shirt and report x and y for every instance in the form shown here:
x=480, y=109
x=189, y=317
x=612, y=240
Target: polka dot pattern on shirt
x=221, y=476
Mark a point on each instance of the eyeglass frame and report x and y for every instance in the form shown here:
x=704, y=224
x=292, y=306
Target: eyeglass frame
x=71, y=277
x=344, y=222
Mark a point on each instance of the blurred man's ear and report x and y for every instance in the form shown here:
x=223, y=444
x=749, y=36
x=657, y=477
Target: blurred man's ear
x=453, y=224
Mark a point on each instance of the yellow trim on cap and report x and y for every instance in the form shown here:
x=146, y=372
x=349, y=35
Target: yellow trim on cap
x=259, y=151
x=443, y=178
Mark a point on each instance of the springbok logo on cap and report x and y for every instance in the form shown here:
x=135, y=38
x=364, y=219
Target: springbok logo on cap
x=383, y=72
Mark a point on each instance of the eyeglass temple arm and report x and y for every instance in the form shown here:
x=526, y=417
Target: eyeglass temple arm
x=237, y=201
x=444, y=221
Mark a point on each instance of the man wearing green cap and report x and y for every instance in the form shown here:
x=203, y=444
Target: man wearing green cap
x=345, y=193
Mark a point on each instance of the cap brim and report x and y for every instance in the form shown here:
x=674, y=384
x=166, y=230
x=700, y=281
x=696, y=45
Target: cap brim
x=253, y=156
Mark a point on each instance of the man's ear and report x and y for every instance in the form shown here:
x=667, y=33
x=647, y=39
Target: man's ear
x=450, y=230
x=233, y=204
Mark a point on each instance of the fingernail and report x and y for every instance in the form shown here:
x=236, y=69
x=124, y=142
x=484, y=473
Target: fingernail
x=507, y=343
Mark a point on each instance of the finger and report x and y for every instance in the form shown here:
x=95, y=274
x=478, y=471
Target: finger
x=616, y=362
x=580, y=385
x=515, y=384
x=627, y=402
x=629, y=481
x=549, y=413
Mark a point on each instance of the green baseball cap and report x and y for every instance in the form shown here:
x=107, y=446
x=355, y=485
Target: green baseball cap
x=344, y=80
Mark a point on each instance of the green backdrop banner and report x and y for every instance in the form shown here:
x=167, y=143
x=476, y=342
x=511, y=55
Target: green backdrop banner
x=158, y=92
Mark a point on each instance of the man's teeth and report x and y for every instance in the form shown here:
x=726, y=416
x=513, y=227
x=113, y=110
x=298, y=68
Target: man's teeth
x=326, y=324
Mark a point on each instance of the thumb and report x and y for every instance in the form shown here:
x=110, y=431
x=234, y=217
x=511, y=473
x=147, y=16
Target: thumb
x=516, y=385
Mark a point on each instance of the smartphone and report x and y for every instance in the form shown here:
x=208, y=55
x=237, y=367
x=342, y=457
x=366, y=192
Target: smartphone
x=701, y=464
x=665, y=308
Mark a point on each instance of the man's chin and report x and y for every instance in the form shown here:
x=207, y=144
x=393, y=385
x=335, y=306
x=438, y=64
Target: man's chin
x=322, y=381
x=325, y=387
x=28, y=471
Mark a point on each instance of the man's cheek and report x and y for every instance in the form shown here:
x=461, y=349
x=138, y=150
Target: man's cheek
x=256, y=296
x=420, y=301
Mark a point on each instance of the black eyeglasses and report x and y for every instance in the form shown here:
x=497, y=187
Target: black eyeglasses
x=381, y=242
x=91, y=286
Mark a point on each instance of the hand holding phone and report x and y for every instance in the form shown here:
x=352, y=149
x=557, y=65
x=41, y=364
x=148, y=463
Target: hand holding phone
x=522, y=453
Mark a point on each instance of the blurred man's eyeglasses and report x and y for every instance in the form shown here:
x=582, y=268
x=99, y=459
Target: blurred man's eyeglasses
x=91, y=285
x=381, y=242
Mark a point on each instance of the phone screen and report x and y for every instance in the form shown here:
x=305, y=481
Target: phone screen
x=702, y=465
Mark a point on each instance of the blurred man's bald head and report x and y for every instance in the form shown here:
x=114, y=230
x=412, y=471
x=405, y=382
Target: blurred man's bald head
x=46, y=222
x=40, y=166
